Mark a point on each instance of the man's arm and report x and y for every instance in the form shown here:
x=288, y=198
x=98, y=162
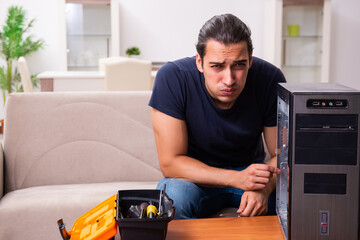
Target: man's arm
x=172, y=142
x=255, y=203
x=270, y=141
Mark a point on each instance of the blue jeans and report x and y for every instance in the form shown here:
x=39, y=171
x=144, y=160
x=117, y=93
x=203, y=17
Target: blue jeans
x=193, y=201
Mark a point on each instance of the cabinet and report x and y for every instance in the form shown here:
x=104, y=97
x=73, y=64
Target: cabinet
x=89, y=33
x=303, y=2
x=302, y=55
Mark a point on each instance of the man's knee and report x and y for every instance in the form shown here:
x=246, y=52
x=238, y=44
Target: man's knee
x=186, y=196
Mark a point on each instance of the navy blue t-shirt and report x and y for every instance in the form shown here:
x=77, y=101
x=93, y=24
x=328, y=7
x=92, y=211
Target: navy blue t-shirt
x=219, y=137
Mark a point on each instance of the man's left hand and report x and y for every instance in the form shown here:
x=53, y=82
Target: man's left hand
x=253, y=203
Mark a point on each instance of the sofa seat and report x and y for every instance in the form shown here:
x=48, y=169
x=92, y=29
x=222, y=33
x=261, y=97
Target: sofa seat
x=21, y=207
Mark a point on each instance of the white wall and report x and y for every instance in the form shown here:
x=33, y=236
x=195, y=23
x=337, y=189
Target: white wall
x=167, y=30
x=345, y=42
x=49, y=26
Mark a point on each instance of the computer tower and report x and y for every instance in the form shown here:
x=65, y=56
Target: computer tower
x=317, y=191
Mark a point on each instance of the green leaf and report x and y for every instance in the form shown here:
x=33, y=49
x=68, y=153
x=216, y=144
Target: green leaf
x=14, y=44
x=4, y=83
x=133, y=51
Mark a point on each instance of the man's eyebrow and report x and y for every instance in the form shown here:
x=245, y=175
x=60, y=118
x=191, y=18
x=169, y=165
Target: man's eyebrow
x=236, y=61
x=217, y=63
x=241, y=61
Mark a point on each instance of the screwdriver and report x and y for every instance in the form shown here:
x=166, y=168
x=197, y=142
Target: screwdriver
x=235, y=214
x=143, y=207
x=151, y=211
x=161, y=199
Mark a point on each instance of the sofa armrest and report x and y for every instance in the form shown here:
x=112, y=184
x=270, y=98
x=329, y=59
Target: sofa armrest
x=1, y=171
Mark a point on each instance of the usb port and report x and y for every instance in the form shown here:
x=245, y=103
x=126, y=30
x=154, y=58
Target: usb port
x=316, y=103
x=338, y=103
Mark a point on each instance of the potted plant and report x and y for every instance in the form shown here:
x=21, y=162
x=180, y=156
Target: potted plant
x=15, y=41
x=132, y=51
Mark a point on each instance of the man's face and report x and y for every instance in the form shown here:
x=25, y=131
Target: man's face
x=225, y=69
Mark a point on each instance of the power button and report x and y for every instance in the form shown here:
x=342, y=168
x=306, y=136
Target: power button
x=324, y=222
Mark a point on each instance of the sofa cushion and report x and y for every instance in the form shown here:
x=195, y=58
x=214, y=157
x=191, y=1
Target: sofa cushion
x=54, y=138
x=37, y=208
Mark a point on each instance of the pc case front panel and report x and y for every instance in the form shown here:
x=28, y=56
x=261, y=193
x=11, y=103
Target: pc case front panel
x=324, y=191
x=317, y=196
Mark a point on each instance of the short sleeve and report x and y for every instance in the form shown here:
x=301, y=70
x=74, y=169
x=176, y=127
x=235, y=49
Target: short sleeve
x=270, y=113
x=168, y=92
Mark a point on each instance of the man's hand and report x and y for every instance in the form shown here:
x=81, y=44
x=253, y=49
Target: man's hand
x=255, y=177
x=258, y=186
x=253, y=203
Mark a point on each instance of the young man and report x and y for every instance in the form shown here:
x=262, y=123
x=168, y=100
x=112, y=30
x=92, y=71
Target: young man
x=209, y=114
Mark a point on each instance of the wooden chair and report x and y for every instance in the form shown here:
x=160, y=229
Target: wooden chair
x=24, y=74
x=126, y=74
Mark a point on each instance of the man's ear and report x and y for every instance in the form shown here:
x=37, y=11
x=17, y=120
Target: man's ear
x=199, y=63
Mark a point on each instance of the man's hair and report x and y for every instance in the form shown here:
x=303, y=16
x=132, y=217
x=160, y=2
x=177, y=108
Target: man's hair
x=226, y=29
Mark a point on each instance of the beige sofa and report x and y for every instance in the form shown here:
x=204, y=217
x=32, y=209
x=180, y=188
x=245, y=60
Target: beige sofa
x=63, y=153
